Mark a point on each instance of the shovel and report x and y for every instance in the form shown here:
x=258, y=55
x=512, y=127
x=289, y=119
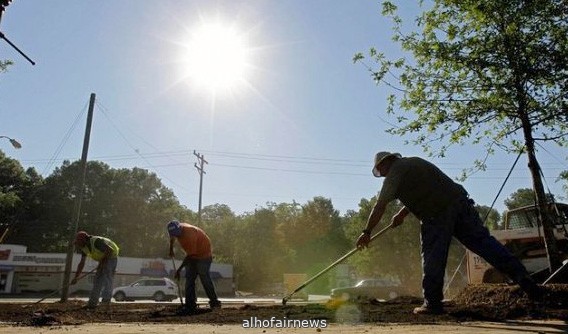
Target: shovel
x=338, y=261
x=59, y=290
x=177, y=283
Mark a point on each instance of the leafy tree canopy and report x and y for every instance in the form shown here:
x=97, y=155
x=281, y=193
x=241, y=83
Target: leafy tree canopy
x=523, y=197
x=479, y=71
x=482, y=71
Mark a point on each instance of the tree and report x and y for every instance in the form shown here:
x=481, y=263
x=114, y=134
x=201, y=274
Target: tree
x=489, y=72
x=18, y=200
x=220, y=224
x=130, y=206
x=564, y=176
x=4, y=65
x=489, y=216
x=523, y=197
x=258, y=258
x=320, y=239
x=396, y=254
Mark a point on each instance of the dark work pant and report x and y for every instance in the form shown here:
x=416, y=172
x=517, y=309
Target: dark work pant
x=199, y=268
x=461, y=221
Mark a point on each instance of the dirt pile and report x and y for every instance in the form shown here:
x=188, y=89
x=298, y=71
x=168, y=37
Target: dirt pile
x=474, y=303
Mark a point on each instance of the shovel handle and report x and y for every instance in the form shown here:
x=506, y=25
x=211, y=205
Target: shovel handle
x=59, y=290
x=331, y=266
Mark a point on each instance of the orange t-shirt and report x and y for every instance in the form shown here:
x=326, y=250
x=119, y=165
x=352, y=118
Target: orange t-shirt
x=194, y=242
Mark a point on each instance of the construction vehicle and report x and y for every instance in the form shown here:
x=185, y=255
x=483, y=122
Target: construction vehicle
x=524, y=237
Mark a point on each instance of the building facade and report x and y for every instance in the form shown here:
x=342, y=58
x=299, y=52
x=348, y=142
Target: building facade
x=22, y=272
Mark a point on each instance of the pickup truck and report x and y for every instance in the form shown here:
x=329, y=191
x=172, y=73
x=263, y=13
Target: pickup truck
x=525, y=239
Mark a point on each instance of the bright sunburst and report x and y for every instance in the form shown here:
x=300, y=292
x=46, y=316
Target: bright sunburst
x=216, y=57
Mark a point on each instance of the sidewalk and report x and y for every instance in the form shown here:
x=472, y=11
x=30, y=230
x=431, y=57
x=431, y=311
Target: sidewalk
x=548, y=327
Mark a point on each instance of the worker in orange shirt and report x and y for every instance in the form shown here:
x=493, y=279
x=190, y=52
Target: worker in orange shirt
x=197, y=261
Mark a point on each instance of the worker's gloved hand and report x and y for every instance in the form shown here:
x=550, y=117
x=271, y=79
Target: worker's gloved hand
x=397, y=220
x=176, y=275
x=363, y=240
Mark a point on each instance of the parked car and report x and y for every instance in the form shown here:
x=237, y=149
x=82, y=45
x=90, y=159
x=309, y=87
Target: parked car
x=368, y=289
x=158, y=289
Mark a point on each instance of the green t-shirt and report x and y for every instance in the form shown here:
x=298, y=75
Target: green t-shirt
x=421, y=186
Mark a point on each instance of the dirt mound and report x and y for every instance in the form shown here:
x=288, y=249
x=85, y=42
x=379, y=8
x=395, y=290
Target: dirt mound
x=474, y=303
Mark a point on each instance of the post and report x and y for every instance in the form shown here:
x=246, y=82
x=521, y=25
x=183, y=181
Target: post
x=201, y=171
x=74, y=224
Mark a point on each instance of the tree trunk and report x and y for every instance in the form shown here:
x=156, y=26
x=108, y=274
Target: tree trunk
x=543, y=209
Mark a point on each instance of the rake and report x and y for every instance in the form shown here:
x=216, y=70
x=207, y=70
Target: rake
x=331, y=266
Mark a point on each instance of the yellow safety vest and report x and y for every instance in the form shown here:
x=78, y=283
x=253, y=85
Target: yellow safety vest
x=95, y=253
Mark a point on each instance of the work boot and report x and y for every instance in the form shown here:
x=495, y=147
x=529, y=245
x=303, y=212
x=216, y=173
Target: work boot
x=428, y=309
x=533, y=290
x=186, y=311
x=90, y=306
x=215, y=305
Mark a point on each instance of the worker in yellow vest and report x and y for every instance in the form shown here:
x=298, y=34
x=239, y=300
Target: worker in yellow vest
x=105, y=252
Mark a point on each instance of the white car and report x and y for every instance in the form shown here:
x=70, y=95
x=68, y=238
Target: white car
x=378, y=288
x=158, y=289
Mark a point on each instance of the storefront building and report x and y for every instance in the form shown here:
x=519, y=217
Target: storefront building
x=22, y=272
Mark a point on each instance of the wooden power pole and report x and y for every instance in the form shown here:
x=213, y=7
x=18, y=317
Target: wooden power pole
x=201, y=171
x=74, y=224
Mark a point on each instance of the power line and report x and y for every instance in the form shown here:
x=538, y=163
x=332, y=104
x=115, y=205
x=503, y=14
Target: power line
x=64, y=140
x=138, y=154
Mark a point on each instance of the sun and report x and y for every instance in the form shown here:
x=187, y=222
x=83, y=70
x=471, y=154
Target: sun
x=216, y=57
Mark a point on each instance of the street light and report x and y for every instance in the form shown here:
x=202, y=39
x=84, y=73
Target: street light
x=13, y=141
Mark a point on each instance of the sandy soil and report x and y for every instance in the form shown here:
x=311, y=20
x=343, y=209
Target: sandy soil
x=487, y=309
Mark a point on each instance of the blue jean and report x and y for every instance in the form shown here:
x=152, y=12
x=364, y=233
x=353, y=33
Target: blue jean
x=199, y=268
x=102, y=286
x=461, y=221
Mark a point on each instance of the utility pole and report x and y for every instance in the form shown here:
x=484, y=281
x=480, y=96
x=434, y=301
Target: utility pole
x=78, y=200
x=201, y=171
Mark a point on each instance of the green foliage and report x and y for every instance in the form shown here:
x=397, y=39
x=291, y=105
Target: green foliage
x=18, y=197
x=523, y=197
x=258, y=259
x=484, y=72
x=220, y=223
x=481, y=71
x=490, y=217
x=129, y=206
x=564, y=176
x=132, y=207
x=4, y=64
x=394, y=254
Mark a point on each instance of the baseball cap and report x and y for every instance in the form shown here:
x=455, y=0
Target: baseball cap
x=174, y=228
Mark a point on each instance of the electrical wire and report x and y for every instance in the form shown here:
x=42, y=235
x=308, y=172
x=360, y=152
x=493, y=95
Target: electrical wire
x=484, y=219
x=102, y=110
x=64, y=140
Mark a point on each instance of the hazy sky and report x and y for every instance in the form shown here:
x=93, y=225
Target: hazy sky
x=282, y=115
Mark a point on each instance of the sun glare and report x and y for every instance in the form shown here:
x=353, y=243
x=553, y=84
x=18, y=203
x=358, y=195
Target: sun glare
x=216, y=57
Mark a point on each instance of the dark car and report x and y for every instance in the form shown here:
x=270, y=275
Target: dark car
x=377, y=288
